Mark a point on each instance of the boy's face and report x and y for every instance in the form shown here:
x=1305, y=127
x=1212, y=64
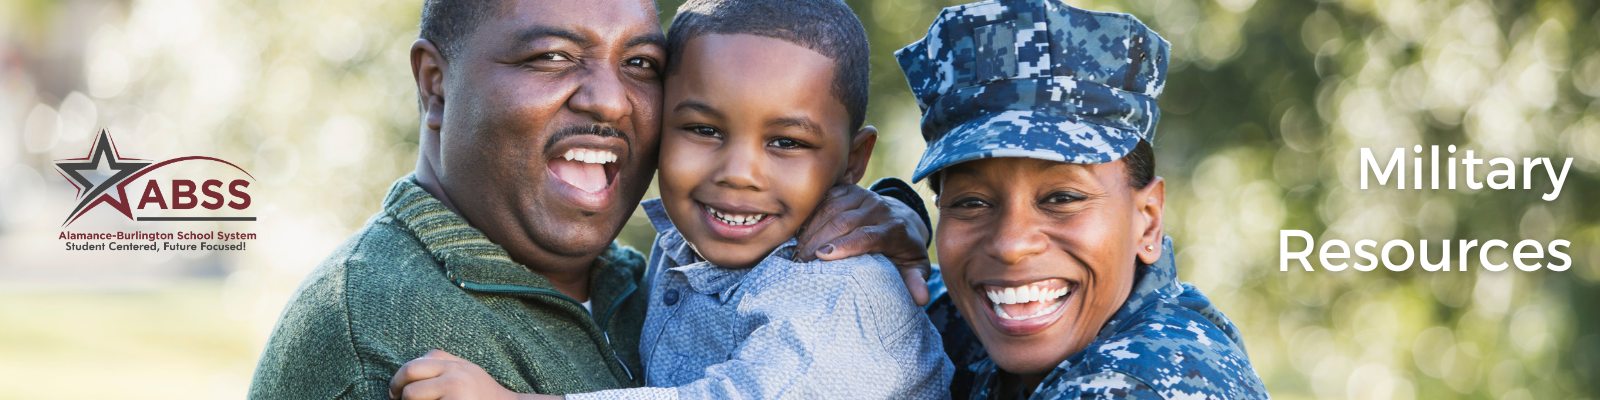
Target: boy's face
x=752, y=139
x=1040, y=254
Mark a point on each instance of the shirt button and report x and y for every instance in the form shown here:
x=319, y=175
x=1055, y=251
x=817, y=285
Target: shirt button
x=671, y=298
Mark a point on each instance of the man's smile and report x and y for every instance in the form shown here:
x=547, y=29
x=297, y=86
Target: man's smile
x=587, y=167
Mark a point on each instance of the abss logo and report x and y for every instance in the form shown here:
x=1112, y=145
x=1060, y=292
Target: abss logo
x=177, y=194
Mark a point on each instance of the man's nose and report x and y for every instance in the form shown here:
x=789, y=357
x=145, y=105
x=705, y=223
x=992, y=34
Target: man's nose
x=1016, y=237
x=602, y=95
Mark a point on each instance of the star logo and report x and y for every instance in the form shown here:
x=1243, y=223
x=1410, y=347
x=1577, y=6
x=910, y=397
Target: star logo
x=103, y=159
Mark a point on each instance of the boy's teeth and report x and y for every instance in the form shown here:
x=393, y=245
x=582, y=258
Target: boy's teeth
x=735, y=219
x=590, y=156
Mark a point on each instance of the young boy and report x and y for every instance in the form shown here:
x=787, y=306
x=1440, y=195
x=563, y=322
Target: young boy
x=764, y=107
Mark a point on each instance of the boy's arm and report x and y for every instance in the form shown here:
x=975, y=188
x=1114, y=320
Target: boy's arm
x=440, y=375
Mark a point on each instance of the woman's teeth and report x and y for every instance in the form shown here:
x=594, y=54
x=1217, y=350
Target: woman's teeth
x=735, y=219
x=590, y=156
x=1024, y=295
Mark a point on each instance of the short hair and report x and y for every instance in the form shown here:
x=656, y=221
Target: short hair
x=827, y=27
x=447, y=23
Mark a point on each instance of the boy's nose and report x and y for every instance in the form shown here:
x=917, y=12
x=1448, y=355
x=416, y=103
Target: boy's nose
x=741, y=170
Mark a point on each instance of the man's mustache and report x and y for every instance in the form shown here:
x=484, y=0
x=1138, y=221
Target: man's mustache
x=596, y=129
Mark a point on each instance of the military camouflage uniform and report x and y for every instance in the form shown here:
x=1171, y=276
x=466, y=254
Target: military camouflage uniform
x=1039, y=79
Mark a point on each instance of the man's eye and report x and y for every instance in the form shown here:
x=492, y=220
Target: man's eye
x=641, y=62
x=552, y=57
x=784, y=143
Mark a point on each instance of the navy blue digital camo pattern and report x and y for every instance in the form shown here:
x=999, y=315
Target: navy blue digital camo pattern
x=1036, y=79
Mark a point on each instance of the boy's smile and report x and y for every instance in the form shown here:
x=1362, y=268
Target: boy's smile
x=752, y=139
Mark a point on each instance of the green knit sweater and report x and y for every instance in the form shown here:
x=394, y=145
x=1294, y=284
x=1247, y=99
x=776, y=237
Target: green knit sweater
x=416, y=278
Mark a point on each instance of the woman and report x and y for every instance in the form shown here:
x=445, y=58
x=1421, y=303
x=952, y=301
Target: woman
x=1038, y=118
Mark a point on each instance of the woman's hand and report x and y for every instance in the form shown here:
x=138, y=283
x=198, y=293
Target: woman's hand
x=853, y=221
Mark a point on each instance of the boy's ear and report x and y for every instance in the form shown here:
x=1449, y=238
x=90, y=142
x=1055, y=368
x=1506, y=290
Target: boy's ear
x=860, y=153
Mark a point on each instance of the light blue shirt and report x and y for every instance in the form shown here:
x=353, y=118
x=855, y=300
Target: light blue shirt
x=782, y=329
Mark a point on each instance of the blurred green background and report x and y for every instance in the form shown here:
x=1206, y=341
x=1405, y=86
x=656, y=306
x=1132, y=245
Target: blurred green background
x=1266, y=106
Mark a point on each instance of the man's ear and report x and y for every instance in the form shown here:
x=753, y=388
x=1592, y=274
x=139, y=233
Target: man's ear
x=860, y=153
x=1149, y=202
x=427, y=67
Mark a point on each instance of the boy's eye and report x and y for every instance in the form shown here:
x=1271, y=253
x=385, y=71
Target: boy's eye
x=785, y=143
x=705, y=131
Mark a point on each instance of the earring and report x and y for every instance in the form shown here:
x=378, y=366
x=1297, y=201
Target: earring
x=1149, y=248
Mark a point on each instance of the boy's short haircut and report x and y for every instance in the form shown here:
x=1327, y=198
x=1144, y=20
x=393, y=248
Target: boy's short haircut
x=827, y=27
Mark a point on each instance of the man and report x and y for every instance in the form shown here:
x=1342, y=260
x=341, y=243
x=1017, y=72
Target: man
x=539, y=136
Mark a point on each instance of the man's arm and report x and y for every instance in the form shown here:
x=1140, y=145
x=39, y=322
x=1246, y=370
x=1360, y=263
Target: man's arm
x=310, y=354
x=889, y=220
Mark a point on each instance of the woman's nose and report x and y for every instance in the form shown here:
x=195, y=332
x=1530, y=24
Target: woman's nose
x=1016, y=237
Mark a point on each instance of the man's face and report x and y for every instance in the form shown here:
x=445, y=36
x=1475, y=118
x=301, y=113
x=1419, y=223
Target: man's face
x=550, y=125
x=752, y=140
x=1040, y=254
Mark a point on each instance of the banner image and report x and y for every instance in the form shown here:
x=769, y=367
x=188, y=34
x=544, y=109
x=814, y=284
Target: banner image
x=800, y=199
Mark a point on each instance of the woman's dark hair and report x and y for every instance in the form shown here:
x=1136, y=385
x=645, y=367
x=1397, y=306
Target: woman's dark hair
x=1140, y=163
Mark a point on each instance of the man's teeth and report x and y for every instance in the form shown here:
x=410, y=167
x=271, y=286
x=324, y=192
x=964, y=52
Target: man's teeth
x=735, y=219
x=590, y=156
x=1024, y=294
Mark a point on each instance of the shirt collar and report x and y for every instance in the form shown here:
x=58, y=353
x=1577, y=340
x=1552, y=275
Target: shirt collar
x=702, y=276
x=468, y=255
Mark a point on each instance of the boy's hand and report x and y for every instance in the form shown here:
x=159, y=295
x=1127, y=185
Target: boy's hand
x=853, y=221
x=441, y=375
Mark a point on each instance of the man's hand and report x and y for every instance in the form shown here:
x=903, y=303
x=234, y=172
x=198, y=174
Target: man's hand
x=441, y=375
x=853, y=221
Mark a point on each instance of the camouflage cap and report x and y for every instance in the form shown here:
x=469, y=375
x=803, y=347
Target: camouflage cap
x=1036, y=79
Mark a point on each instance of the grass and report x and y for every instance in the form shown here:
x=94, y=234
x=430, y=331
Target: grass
x=176, y=342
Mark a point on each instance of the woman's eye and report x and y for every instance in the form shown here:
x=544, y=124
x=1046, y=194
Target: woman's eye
x=969, y=203
x=1062, y=198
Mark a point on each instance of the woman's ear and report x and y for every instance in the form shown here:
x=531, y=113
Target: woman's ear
x=1148, y=203
x=860, y=153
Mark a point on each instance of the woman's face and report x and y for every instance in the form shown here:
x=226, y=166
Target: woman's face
x=1039, y=254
